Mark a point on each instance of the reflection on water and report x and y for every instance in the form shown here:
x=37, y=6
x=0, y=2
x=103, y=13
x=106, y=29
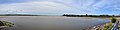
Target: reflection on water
x=52, y=22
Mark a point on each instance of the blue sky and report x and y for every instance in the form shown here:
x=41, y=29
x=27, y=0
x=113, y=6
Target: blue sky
x=58, y=7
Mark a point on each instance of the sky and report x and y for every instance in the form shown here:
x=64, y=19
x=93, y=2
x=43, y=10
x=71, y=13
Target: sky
x=59, y=7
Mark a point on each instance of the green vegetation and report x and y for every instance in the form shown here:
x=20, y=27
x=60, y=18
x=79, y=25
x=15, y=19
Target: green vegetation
x=72, y=15
x=108, y=25
x=113, y=20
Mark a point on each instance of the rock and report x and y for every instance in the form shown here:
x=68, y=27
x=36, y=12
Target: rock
x=5, y=24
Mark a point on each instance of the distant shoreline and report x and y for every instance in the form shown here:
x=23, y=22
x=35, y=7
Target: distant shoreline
x=19, y=15
x=70, y=15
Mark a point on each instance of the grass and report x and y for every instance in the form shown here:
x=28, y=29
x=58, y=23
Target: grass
x=108, y=25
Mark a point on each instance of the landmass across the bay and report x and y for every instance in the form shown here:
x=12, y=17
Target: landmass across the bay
x=86, y=15
x=19, y=15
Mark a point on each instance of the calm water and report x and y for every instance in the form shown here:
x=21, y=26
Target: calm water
x=52, y=22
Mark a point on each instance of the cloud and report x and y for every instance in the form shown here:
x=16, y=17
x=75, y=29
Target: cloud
x=60, y=6
x=38, y=7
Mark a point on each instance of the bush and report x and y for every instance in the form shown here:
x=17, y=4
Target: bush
x=113, y=20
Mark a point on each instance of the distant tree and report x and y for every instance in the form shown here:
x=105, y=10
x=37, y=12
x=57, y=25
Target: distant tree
x=86, y=14
x=113, y=15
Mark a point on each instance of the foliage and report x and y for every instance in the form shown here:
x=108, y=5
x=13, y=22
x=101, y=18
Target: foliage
x=106, y=26
x=113, y=20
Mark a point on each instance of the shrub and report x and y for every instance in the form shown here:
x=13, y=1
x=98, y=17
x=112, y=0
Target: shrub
x=113, y=20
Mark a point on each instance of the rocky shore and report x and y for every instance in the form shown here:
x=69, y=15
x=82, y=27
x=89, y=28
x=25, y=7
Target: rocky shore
x=5, y=24
x=98, y=27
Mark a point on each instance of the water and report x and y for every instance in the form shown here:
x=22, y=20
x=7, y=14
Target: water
x=52, y=22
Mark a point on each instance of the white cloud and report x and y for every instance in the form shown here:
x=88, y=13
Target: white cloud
x=40, y=7
x=60, y=6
